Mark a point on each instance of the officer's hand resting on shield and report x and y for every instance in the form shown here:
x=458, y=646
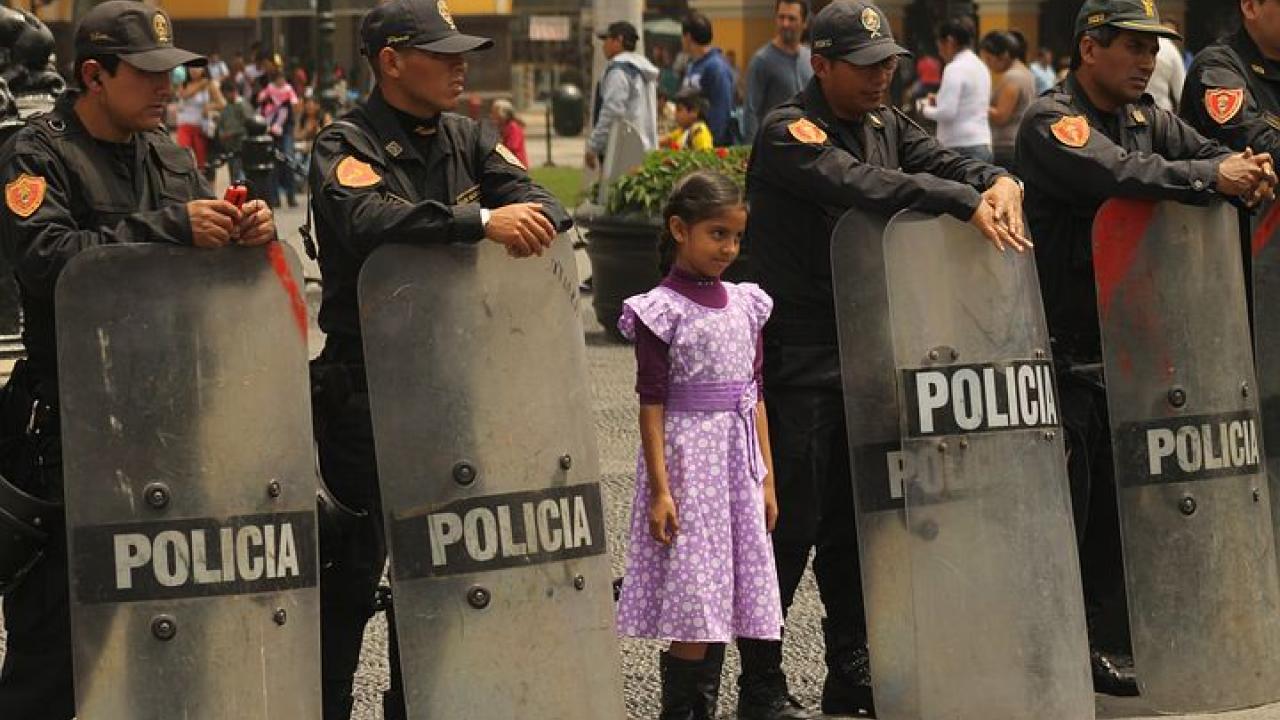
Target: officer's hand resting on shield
x=521, y=227
x=1248, y=176
x=213, y=222
x=258, y=226
x=999, y=215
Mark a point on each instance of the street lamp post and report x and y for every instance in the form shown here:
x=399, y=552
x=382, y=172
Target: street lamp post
x=325, y=28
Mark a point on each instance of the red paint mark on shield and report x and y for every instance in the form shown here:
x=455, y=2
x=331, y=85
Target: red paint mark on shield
x=1266, y=229
x=280, y=265
x=1117, y=234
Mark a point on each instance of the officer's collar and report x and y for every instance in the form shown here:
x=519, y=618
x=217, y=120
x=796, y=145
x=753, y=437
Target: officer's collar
x=1254, y=60
x=1125, y=114
x=817, y=109
x=392, y=133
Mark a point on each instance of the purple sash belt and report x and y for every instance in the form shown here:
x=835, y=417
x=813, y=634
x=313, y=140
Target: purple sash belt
x=730, y=396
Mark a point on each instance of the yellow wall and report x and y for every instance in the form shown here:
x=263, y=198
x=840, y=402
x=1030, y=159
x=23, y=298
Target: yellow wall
x=62, y=10
x=741, y=35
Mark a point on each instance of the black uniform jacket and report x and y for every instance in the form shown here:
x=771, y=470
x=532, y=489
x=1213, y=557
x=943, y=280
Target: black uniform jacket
x=801, y=178
x=1070, y=170
x=93, y=193
x=371, y=185
x=1244, y=88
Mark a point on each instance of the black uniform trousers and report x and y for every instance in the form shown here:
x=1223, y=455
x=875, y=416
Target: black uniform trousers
x=1095, y=508
x=36, y=680
x=352, y=551
x=810, y=446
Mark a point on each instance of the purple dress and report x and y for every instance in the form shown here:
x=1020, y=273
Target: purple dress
x=717, y=581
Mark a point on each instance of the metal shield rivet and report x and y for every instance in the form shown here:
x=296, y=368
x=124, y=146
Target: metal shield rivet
x=1039, y=354
x=164, y=627
x=1050, y=435
x=942, y=447
x=566, y=461
x=1244, y=389
x=933, y=355
x=579, y=582
x=280, y=616
x=1187, y=505
x=955, y=354
x=478, y=598
x=1257, y=495
x=1177, y=397
x=273, y=488
x=964, y=443
x=464, y=473
x=157, y=495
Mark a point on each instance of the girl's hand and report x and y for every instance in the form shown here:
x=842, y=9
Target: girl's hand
x=770, y=506
x=663, y=524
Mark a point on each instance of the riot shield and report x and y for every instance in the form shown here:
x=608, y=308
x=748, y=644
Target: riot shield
x=965, y=523
x=1195, y=512
x=1264, y=267
x=487, y=463
x=190, y=483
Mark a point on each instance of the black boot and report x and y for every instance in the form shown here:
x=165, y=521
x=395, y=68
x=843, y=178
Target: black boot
x=1112, y=675
x=691, y=688
x=762, y=687
x=847, y=689
x=708, y=683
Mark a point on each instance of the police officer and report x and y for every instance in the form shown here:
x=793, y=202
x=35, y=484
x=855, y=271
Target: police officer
x=397, y=168
x=1232, y=92
x=99, y=169
x=835, y=146
x=1093, y=137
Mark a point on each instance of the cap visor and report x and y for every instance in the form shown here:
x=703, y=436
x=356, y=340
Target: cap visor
x=456, y=44
x=873, y=54
x=1144, y=27
x=162, y=59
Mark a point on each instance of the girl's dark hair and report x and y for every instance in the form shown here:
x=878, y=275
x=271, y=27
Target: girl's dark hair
x=698, y=196
x=960, y=29
x=998, y=43
x=691, y=99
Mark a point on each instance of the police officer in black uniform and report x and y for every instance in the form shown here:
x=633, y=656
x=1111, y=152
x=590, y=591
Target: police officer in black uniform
x=1093, y=137
x=398, y=168
x=835, y=146
x=97, y=170
x=1232, y=92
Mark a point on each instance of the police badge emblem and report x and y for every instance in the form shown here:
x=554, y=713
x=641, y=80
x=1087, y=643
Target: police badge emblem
x=355, y=173
x=871, y=21
x=1222, y=104
x=1072, y=131
x=806, y=132
x=160, y=24
x=443, y=8
x=25, y=194
x=1149, y=7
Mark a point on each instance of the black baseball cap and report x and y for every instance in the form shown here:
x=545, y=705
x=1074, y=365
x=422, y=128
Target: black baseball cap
x=422, y=24
x=621, y=29
x=139, y=34
x=854, y=31
x=1136, y=15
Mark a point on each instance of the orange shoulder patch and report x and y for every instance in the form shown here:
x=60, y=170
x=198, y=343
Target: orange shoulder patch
x=25, y=194
x=1072, y=131
x=806, y=132
x=355, y=173
x=1222, y=104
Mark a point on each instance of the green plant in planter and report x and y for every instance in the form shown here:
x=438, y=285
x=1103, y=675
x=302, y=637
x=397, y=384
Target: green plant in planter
x=644, y=190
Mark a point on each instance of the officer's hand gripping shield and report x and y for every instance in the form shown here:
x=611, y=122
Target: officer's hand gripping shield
x=969, y=561
x=1195, y=509
x=190, y=483
x=487, y=462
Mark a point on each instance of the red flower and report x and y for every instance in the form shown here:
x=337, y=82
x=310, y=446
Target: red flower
x=722, y=153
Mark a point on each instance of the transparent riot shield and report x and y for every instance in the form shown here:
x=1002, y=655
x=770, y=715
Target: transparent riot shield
x=984, y=543
x=1195, y=512
x=190, y=483
x=487, y=461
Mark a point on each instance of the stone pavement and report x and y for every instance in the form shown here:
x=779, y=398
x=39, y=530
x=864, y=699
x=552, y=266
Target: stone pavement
x=611, y=378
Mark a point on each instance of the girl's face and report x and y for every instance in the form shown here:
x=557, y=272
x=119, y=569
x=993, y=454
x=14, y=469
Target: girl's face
x=686, y=117
x=710, y=246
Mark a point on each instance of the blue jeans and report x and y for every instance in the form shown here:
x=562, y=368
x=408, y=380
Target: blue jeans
x=977, y=152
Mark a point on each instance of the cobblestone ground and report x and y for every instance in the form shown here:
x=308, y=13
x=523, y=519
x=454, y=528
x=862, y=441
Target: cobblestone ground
x=611, y=377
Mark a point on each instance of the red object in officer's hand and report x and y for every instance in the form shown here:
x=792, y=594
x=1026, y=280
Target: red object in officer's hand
x=237, y=195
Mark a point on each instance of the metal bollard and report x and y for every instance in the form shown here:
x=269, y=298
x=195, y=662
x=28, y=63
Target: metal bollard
x=258, y=155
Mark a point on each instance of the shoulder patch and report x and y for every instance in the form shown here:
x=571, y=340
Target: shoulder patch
x=355, y=173
x=806, y=132
x=1222, y=104
x=510, y=156
x=25, y=194
x=1072, y=131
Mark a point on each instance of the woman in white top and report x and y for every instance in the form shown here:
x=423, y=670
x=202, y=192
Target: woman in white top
x=960, y=107
x=199, y=101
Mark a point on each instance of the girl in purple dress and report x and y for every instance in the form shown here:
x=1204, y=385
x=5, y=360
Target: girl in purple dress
x=700, y=568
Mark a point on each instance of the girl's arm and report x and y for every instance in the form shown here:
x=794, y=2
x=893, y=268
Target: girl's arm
x=663, y=524
x=770, y=494
x=1001, y=112
x=189, y=89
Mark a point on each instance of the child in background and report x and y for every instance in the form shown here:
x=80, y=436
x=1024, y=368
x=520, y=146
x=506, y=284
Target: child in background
x=510, y=128
x=691, y=132
x=700, y=568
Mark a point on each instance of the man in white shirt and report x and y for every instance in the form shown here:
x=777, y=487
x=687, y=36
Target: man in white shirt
x=960, y=108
